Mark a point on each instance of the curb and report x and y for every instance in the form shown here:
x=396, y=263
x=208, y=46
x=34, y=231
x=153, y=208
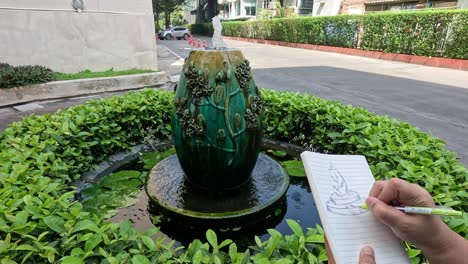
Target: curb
x=71, y=88
x=458, y=64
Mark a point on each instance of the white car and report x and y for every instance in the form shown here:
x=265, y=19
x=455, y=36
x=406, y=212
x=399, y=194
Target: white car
x=175, y=32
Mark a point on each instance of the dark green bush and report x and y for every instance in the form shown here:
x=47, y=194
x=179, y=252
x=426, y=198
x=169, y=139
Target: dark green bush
x=40, y=221
x=435, y=33
x=4, y=65
x=430, y=33
x=15, y=76
x=201, y=29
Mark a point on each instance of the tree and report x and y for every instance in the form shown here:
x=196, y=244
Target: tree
x=167, y=7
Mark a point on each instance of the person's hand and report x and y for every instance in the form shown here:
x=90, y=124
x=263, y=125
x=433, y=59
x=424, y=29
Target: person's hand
x=427, y=232
x=367, y=256
x=414, y=228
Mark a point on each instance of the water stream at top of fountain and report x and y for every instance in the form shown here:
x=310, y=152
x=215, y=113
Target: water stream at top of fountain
x=218, y=42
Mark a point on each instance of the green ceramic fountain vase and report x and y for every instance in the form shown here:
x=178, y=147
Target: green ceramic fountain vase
x=217, y=119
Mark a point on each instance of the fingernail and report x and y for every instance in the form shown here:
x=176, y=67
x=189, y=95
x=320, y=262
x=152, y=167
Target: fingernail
x=370, y=201
x=367, y=251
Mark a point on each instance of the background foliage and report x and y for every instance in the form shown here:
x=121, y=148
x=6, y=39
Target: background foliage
x=201, y=29
x=42, y=222
x=428, y=33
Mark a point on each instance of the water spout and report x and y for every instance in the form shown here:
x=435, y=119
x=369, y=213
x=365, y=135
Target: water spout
x=218, y=42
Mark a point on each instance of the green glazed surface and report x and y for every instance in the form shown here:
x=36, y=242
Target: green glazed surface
x=217, y=119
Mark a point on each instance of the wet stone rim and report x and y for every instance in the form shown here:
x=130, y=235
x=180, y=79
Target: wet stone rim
x=166, y=179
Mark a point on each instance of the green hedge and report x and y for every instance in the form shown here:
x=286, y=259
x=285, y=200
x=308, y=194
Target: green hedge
x=338, y=31
x=435, y=33
x=40, y=221
x=201, y=29
x=429, y=33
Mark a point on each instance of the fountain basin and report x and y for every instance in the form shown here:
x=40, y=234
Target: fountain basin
x=255, y=201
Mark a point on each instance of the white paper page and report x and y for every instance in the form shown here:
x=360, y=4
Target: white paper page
x=340, y=184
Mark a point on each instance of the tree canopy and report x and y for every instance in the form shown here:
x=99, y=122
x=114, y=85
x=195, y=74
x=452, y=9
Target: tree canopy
x=167, y=7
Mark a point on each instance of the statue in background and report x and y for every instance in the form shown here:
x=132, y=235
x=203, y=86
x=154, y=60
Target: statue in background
x=218, y=42
x=78, y=5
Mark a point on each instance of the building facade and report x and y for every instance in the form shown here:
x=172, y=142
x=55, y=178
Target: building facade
x=238, y=9
x=250, y=9
x=352, y=7
x=400, y=5
x=106, y=34
x=326, y=7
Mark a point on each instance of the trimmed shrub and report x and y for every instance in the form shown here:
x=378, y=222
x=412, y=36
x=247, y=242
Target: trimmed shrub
x=432, y=33
x=201, y=29
x=340, y=31
x=15, y=76
x=41, y=222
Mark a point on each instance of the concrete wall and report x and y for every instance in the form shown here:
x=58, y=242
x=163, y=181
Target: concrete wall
x=115, y=34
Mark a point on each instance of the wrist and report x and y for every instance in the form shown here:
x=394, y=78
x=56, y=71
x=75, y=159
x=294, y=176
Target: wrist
x=446, y=245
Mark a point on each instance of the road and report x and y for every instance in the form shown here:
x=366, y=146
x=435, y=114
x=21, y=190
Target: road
x=433, y=99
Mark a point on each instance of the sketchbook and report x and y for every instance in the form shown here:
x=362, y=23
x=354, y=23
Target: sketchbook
x=340, y=185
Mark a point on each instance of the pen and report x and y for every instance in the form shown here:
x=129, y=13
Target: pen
x=437, y=210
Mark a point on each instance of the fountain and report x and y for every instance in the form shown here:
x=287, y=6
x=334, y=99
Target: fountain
x=217, y=178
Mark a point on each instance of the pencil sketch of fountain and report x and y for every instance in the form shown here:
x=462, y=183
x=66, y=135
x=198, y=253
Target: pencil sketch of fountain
x=343, y=201
x=217, y=178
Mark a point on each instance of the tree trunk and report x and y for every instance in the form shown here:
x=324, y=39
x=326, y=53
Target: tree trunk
x=156, y=19
x=167, y=17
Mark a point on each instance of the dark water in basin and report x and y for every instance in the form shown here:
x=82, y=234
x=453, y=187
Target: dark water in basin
x=298, y=205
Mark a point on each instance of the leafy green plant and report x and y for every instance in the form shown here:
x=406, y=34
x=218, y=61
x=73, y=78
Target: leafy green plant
x=150, y=159
x=40, y=155
x=294, y=168
x=40, y=221
x=15, y=76
x=116, y=190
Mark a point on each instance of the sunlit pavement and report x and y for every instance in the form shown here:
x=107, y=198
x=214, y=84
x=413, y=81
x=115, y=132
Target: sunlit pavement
x=433, y=99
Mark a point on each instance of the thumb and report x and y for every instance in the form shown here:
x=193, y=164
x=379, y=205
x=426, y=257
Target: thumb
x=367, y=256
x=385, y=213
